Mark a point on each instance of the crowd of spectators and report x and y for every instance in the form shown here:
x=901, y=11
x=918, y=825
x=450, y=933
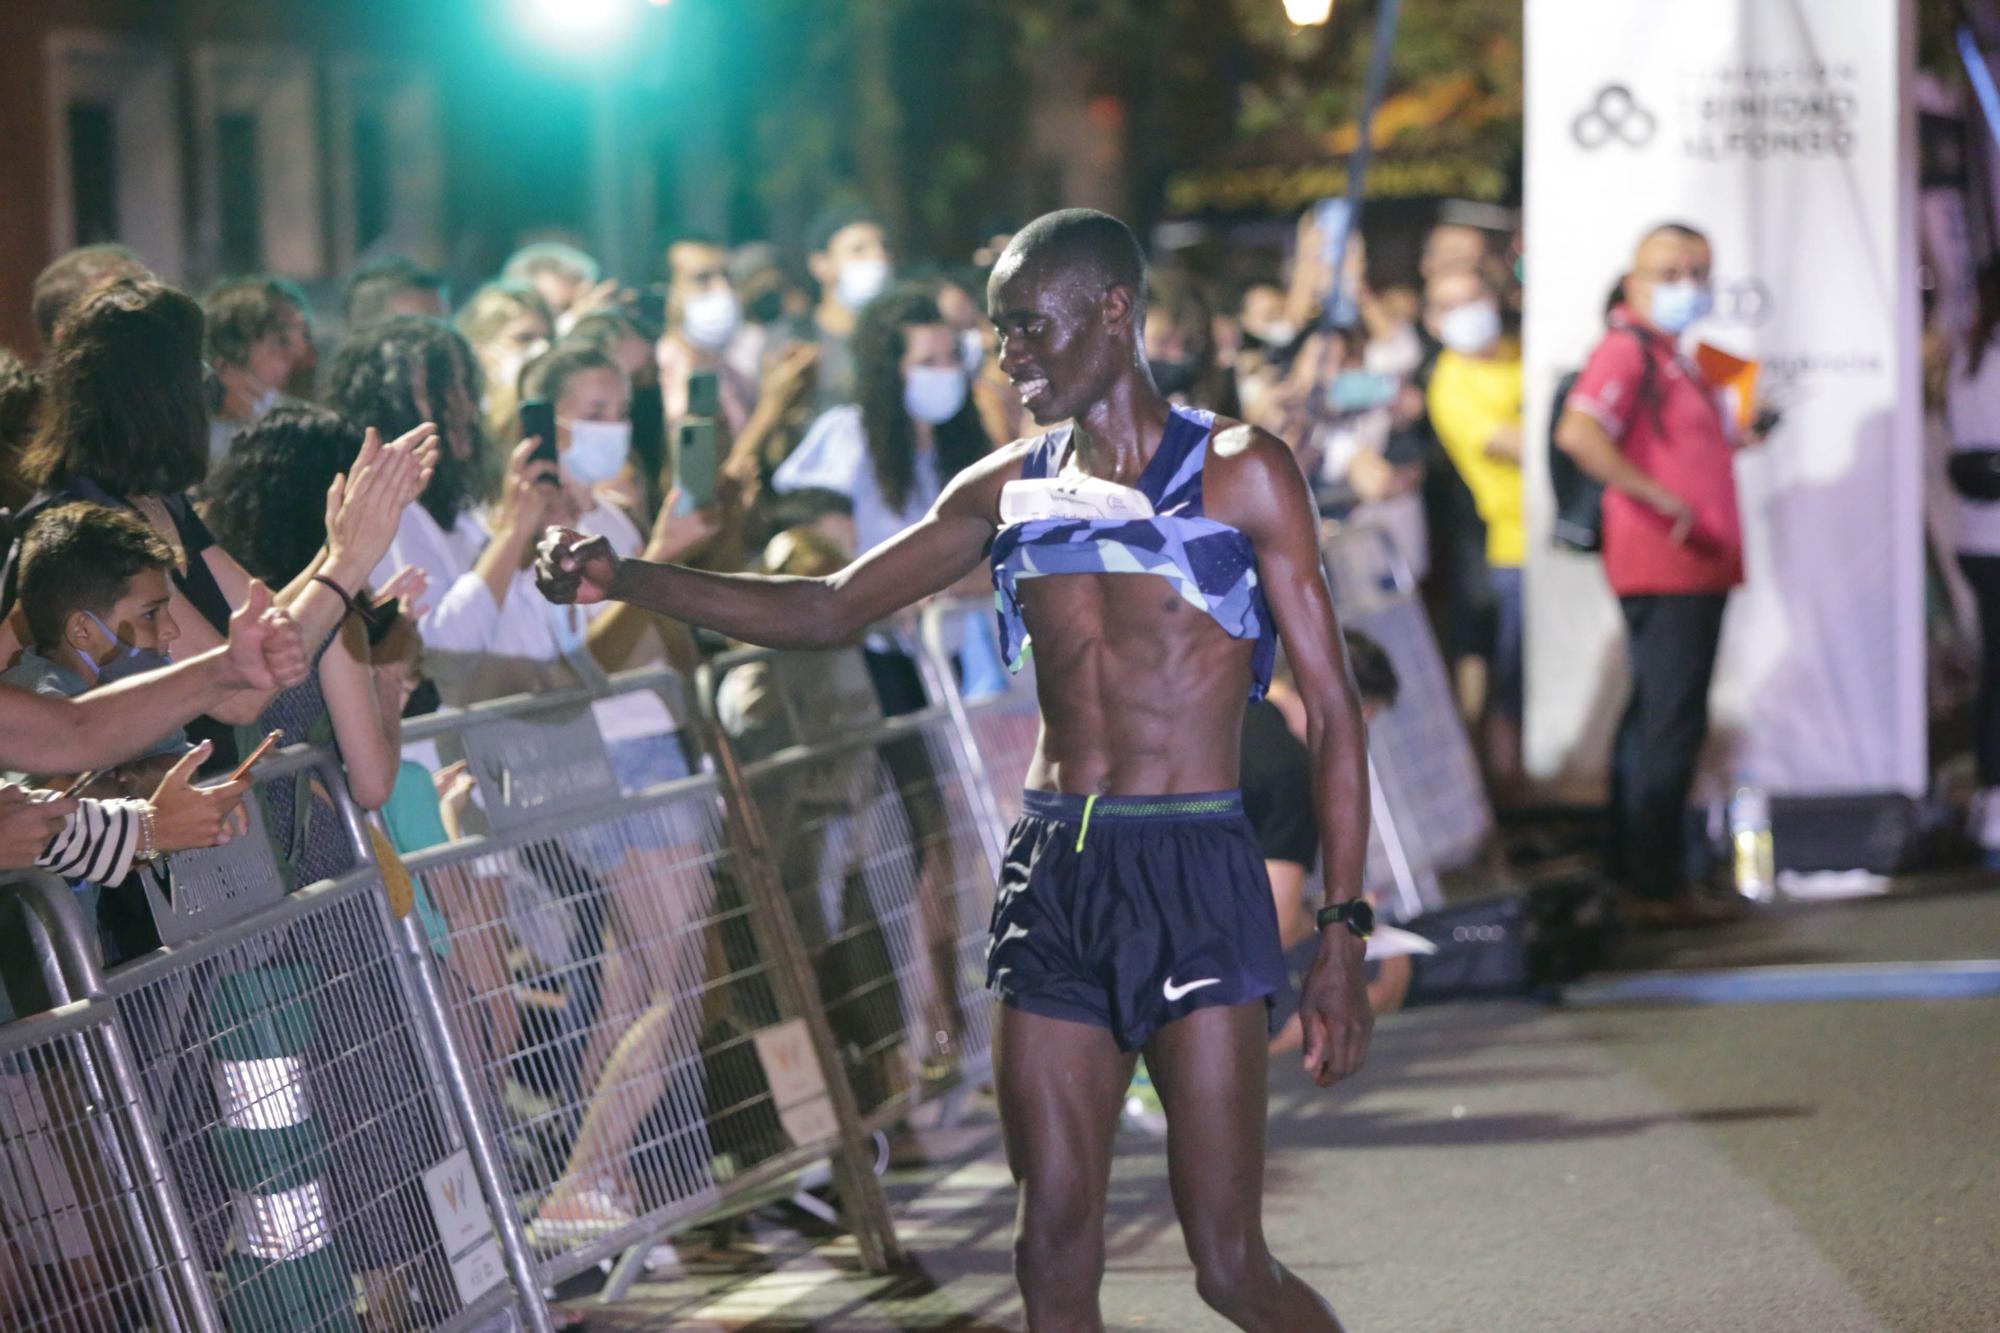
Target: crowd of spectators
x=215, y=533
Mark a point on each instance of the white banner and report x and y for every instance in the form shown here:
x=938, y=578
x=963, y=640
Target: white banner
x=1784, y=131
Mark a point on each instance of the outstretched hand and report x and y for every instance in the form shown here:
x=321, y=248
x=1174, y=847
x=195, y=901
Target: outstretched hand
x=1333, y=1008
x=186, y=816
x=266, y=651
x=573, y=569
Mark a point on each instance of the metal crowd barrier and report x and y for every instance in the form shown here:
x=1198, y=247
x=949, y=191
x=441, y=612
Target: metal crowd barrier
x=1429, y=802
x=659, y=980
x=885, y=839
x=617, y=976
x=271, y=1089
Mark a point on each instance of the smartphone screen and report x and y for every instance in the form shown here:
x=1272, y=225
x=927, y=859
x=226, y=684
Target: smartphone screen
x=704, y=394
x=695, y=445
x=538, y=419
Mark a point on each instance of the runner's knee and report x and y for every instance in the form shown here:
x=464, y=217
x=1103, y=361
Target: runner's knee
x=1233, y=1273
x=1060, y=1238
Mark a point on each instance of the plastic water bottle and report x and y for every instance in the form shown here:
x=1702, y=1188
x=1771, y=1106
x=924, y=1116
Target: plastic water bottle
x=1750, y=842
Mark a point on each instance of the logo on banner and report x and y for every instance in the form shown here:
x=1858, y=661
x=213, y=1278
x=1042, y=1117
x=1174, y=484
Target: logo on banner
x=1614, y=116
x=1743, y=301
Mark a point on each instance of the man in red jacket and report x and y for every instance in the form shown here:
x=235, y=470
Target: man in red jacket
x=1642, y=420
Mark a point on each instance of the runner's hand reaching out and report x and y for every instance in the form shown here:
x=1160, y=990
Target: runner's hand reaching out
x=574, y=569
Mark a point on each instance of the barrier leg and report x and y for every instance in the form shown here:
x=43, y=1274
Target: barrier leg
x=69, y=970
x=862, y=1200
x=479, y=1142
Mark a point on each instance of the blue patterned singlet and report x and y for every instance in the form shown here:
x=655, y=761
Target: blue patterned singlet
x=1210, y=564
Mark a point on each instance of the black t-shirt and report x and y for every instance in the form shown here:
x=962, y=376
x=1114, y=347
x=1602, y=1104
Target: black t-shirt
x=1277, y=787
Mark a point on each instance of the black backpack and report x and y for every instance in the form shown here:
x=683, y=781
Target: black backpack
x=1579, y=520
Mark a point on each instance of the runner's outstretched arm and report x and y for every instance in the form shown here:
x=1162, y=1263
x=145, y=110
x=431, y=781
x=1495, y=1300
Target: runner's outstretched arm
x=787, y=612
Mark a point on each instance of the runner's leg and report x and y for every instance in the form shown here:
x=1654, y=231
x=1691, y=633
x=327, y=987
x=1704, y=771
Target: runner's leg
x=1211, y=1070
x=1060, y=1084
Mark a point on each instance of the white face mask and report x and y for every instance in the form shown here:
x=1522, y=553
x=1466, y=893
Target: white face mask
x=597, y=450
x=710, y=318
x=971, y=351
x=861, y=281
x=933, y=394
x=1470, y=328
x=1278, y=333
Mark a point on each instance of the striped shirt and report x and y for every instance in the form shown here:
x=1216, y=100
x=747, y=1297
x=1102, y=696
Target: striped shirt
x=98, y=843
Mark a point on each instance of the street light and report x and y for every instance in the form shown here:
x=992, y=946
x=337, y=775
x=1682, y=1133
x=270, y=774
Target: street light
x=581, y=27
x=1308, y=13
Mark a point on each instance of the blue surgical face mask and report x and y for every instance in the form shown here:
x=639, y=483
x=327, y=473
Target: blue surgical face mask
x=132, y=661
x=597, y=450
x=1676, y=305
x=933, y=394
x=971, y=350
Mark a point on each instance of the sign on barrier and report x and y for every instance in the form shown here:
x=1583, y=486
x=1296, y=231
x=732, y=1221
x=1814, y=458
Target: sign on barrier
x=530, y=768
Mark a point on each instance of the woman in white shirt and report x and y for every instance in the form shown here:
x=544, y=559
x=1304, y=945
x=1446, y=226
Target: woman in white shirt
x=1972, y=410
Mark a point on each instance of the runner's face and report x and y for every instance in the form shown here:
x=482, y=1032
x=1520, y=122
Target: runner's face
x=1060, y=337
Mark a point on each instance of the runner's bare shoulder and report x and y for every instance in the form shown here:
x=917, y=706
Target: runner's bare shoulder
x=976, y=490
x=1250, y=471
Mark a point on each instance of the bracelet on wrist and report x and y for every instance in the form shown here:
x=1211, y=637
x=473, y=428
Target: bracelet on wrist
x=149, y=848
x=346, y=599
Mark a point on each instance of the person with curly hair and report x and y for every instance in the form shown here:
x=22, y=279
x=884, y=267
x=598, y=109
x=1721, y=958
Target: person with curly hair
x=486, y=632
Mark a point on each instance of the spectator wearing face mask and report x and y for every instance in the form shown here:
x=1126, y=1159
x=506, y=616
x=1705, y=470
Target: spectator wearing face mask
x=703, y=318
x=1474, y=401
x=619, y=335
x=1180, y=347
x=850, y=261
x=257, y=336
x=1642, y=420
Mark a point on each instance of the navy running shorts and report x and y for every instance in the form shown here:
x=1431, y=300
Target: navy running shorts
x=1128, y=912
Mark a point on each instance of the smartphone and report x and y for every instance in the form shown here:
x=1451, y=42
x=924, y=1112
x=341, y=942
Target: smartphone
x=264, y=748
x=538, y=419
x=704, y=394
x=83, y=780
x=695, y=461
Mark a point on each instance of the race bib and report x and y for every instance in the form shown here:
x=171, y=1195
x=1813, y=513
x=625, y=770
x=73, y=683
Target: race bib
x=1071, y=497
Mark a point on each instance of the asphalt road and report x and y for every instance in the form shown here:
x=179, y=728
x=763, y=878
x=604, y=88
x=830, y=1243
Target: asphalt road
x=1515, y=1166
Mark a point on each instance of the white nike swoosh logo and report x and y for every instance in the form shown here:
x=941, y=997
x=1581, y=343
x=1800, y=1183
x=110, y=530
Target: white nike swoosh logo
x=1174, y=992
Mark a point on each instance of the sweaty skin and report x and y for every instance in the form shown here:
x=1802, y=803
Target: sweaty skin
x=1139, y=694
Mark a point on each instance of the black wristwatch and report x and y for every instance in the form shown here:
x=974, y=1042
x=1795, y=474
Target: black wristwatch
x=1357, y=915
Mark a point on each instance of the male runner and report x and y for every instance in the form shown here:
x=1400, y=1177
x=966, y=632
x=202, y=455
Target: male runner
x=1133, y=912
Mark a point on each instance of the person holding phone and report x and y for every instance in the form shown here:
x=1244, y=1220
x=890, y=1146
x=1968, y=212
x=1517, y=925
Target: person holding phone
x=484, y=631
